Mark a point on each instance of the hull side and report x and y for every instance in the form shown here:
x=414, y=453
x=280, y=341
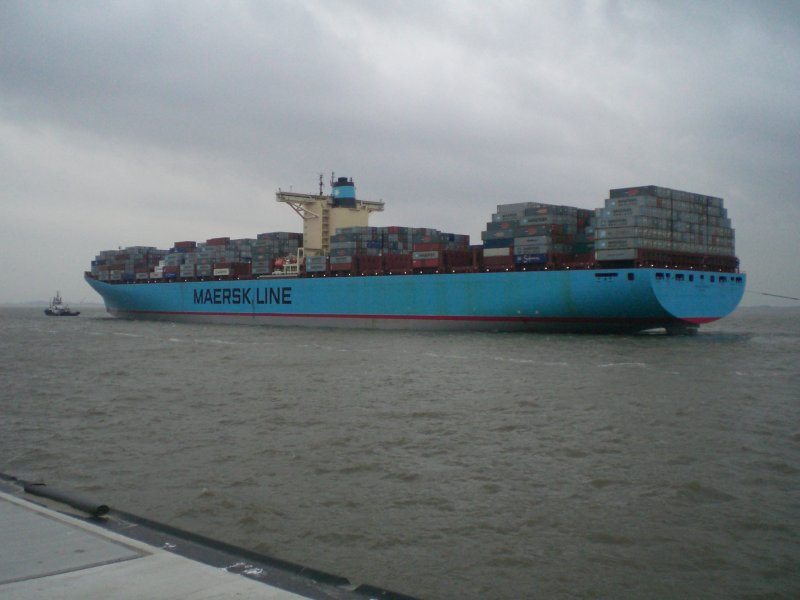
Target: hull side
x=698, y=297
x=580, y=301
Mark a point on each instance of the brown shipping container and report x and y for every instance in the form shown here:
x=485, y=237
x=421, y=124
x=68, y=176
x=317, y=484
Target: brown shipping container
x=498, y=261
x=458, y=258
x=222, y=241
x=342, y=266
x=242, y=269
x=426, y=247
x=397, y=263
x=370, y=264
x=431, y=263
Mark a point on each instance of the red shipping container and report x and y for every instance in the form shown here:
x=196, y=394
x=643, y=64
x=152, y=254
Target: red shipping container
x=342, y=266
x=432, y=263
x=395, y=263
x=370, y=263
x=458, y=258
x=242, y=269
x=427, y=247
x=426, y=259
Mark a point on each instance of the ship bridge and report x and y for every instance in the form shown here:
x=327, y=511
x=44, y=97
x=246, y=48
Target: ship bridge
x=323, y=214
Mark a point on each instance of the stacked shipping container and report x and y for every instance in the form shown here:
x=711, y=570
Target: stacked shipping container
x=351, y=243
x=662, y=225
x=533, y=233
x=271, y=246
x=394, y=250
x=637, y=226
x=216, y=257
x=126, y=264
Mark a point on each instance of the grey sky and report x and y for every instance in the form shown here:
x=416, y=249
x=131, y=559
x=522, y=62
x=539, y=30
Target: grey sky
x=144, y=123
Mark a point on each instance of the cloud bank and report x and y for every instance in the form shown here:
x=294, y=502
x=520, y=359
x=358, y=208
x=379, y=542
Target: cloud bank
x=144, y=123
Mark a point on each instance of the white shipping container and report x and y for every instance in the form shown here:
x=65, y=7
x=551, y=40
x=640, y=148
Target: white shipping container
x=533, y=240
x=496, y=252
x=628, y=254
x=555, y=219
x=533, y=249
x=634, y=221
x=341, y=260
x=646, y=201
x=634, y=232
x=613, y=232
x=316, y=263
x=632, y=211
x=619, y=243
x=221, y=272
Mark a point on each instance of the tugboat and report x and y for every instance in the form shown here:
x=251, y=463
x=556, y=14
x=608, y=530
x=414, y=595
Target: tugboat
x=59, y=309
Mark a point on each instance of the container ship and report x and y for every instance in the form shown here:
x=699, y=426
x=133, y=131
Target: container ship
x=652, y=258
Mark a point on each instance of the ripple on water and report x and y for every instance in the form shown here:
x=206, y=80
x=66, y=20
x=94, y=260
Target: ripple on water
x=445, y=466
x=695, y=492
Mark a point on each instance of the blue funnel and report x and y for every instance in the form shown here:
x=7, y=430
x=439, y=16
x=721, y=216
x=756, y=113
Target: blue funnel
x=343, y=192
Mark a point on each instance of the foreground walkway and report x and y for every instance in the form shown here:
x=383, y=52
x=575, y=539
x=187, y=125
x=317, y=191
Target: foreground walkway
x=45, y=553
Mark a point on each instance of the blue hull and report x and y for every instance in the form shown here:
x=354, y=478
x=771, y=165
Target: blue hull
x=607, y=300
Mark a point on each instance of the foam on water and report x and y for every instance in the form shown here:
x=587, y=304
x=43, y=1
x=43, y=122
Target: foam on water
x=623, y=364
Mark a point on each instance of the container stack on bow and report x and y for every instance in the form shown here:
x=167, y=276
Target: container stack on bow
x=216, y=257
x=126, y=264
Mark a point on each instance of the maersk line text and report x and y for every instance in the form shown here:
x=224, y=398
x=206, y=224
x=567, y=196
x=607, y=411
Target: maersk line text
x=244, y=295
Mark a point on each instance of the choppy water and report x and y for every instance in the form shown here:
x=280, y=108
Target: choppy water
x=453, y=466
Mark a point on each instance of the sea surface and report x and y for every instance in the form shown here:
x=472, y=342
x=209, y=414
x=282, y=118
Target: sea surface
x=445, y=466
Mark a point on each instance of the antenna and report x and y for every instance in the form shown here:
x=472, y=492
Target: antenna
x=332, y=178
x=321, y=184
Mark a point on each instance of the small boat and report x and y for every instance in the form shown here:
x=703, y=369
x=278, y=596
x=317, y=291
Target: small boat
x=58, y=308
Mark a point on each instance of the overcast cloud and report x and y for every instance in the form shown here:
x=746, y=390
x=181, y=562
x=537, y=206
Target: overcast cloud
x=143, y=123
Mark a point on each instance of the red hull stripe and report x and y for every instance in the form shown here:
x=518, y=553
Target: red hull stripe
x=699, y=320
